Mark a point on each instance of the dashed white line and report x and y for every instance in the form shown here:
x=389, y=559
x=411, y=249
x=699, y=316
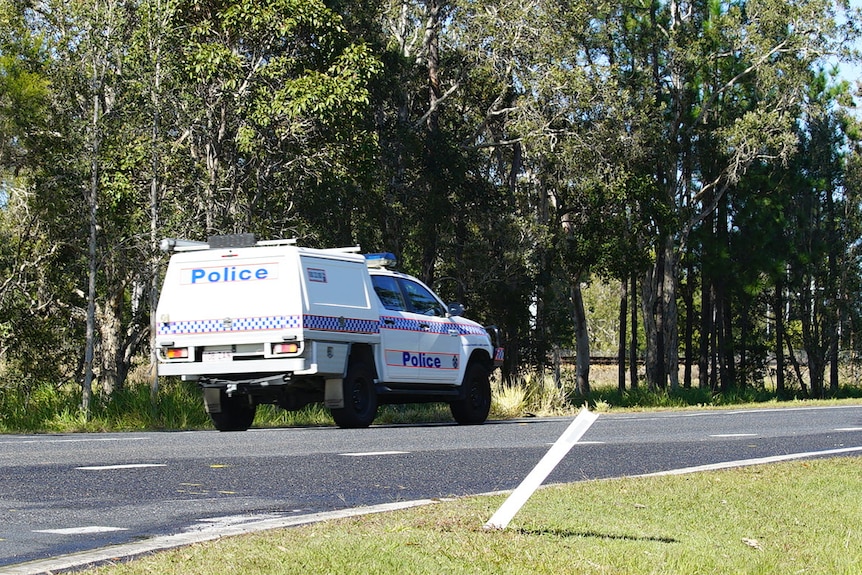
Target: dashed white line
x=849, y=429
x=374, y=453
x=122, y=466
x=723, y=435
x=80, y=530
x=70, y=440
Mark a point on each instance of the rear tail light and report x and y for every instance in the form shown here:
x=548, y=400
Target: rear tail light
x=177, y=353
x=283, y=348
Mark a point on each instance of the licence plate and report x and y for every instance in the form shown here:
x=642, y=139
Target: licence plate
x=209, y=356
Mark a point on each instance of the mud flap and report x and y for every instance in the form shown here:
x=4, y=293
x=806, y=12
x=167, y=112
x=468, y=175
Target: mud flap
x=333, y=395
x=212, y=399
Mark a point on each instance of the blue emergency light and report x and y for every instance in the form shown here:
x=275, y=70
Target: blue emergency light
x=381, y=260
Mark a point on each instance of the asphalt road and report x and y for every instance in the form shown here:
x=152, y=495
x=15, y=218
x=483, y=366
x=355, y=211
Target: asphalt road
x=62, y=494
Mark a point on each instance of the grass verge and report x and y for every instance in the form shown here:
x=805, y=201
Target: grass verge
x=46, y=408
x=797, y=517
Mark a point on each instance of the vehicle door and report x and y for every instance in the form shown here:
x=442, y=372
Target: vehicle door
x=439, y=336
x=399, y=331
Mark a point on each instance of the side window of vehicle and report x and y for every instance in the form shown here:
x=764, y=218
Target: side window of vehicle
x=420, y=300
x=389, y=293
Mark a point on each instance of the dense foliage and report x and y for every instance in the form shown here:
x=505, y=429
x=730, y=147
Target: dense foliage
x=699, y=155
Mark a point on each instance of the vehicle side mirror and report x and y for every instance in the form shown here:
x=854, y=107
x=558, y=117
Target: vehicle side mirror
x=456, y=309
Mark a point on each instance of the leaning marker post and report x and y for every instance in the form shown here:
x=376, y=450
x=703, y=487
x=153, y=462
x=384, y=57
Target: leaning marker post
x=578, y=427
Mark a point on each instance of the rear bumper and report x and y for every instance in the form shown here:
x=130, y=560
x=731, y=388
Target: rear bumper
x=295, y=365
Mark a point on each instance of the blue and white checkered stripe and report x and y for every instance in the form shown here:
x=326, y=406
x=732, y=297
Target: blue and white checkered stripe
x=471, y=330
x=399, y=323
x=442, y=327
x=340, y=324
x=232, y=325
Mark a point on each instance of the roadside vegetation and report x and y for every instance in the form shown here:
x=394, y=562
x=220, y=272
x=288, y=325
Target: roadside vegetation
x=781, y=518
x=178, y=405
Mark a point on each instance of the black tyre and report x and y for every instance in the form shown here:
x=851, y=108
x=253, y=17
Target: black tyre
x=475, y=402
x=360, y=398
x=237, y=414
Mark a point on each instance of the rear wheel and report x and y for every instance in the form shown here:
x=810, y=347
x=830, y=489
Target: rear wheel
x=360, y=398
x=237, y=414
x=475, y=402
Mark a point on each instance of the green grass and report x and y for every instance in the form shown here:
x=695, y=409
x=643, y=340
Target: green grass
x=797, y=517
x=52, y=409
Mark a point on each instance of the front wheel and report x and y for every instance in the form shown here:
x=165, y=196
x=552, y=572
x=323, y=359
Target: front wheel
x=474, y=404
x=237, y=414
x=360, y=398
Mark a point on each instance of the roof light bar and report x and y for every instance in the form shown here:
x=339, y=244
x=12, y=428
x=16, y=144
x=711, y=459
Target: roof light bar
x=381, y=260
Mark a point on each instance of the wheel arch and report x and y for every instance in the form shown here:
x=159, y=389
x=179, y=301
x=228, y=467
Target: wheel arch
x=362, y=352
x=481, y=356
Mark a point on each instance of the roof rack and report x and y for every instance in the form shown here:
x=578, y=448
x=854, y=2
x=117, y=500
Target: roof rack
x=175, y=245
x=222, y=241
x=284, y=242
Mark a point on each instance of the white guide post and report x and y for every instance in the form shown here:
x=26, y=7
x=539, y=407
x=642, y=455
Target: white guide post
x=517, y=499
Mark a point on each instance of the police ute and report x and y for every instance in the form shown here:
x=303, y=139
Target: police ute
x=270, y=322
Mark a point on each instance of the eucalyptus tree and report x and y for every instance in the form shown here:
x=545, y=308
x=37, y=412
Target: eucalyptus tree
x=24, y=97
x=87, y=41
x=822, y=232
x=578, y=132
x=83, y=193
x=736, y=74
x=437, y=191
x=273, y=90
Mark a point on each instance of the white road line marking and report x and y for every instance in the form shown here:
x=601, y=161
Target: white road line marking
x=123, y=466
x=734, y=435
x=80, y=530
x=747, y=462
x=373, y=453
x=161, y=543
x=102, y=439
x=849, y=429
x=775, y=409
x=221, y=523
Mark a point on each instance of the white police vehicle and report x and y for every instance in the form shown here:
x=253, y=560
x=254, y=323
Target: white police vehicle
x=270, y=322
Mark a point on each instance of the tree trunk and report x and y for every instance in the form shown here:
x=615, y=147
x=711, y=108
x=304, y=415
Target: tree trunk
x=621, y=354
x=660, y=313
x=779, y=338
x=113, y=372
x=670, y=323
x=155, y=163
x=582, y=340
x=633, y=350
x=724, y=321
x=435, y=195
x=92, y=264
x=689, y=325
x=652, y=312
x=705, y=331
